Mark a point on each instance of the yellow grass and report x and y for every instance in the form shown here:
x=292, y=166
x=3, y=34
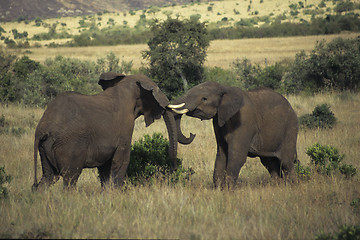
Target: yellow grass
x=221, y=53
x=258, y=209
x=220, y=9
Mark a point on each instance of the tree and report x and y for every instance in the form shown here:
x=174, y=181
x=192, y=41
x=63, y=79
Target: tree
x=176, y=54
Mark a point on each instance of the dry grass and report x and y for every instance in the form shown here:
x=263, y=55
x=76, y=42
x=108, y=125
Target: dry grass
x=258, y=209
x=220, y=9
x=221, y=53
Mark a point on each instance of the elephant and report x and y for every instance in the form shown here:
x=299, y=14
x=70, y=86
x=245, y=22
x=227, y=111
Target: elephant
x=256, y=123
x=80, y=131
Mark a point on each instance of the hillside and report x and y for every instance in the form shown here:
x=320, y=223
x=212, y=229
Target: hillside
x=13, y=9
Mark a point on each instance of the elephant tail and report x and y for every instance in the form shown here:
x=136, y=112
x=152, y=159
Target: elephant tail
x=36, y=148
x=296, y=160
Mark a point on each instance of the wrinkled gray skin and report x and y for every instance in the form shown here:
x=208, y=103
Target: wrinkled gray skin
x=259, y=123
x=79, y=131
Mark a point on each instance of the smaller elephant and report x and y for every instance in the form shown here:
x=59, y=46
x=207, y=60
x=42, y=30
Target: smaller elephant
x=258, y=123
x=79, y=131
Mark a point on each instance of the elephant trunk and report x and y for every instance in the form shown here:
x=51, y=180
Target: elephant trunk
x=178, y=110
x=171, y=128
x=181, y=138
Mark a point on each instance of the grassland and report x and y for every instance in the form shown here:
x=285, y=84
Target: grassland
x=221, y=53
x=259, y=208
x=211, y=12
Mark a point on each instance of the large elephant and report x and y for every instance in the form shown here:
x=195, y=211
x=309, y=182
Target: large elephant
x=79, y=131
x=253, y=123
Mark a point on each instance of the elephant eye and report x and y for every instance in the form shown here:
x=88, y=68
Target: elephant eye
x=204, y=99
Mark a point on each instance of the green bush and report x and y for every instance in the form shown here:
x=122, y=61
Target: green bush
x=222, y=76
x=356, y=205
x=253, y=75
x=328, y=66
x=4, y=178
x=302, y=172
x=327, y=160
x=149, y=159
x=344, y=233
x=321, y=117
x=348, y=170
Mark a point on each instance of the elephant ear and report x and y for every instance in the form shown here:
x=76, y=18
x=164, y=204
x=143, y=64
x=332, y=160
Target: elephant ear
x=230, y=104
x=109, y=79
x=154, y=101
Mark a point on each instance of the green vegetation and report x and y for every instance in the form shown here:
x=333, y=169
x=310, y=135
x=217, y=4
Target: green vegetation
x=31, y=83
x=328, y=66
x=321, y=117
x=345, y=233
x=245, y=28
x=176, y=54
x=327, y=160
x=175, y=62
x=4, y=179
x=149, y=160
x=93, y=32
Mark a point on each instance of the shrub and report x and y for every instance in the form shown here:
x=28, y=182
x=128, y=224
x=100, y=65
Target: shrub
x=321, y=117
x=302, y=172
x=4, y=178
x=149, y=159
x=345, y=233
x=253, y=75
x=222, y=76
x=333, y=65
x=356, y=205
x=7, y=84
x=327, y=160
x=344, y=6
x=348, y=170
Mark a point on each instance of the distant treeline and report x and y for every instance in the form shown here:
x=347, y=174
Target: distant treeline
x=330, y=66
x=331, y=24
x=245, y=28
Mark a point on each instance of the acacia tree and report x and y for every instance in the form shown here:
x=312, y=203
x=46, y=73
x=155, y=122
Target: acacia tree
x=177, y=51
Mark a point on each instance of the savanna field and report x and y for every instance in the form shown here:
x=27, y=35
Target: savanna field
x=258, y=208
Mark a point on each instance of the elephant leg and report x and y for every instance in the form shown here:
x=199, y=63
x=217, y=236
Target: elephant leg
x=70, y=177
x=236, y=159
x=220, y=162
x=50, y=175
x=238, y=148
x=273, y=165
x=71, y=160
x=120, y=163
x=288, y=155
x=287, y=161
x=220, y=166
x=104, y=173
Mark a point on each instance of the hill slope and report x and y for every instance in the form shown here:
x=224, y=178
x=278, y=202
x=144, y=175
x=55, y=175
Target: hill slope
x=13, y=9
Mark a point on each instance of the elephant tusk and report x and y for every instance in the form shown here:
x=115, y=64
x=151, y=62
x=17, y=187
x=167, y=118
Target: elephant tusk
x=176, y=106
x=181, y=111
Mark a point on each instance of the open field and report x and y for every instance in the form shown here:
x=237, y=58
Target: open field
x=258, y=209
x=211, y=12
x=221, y=53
